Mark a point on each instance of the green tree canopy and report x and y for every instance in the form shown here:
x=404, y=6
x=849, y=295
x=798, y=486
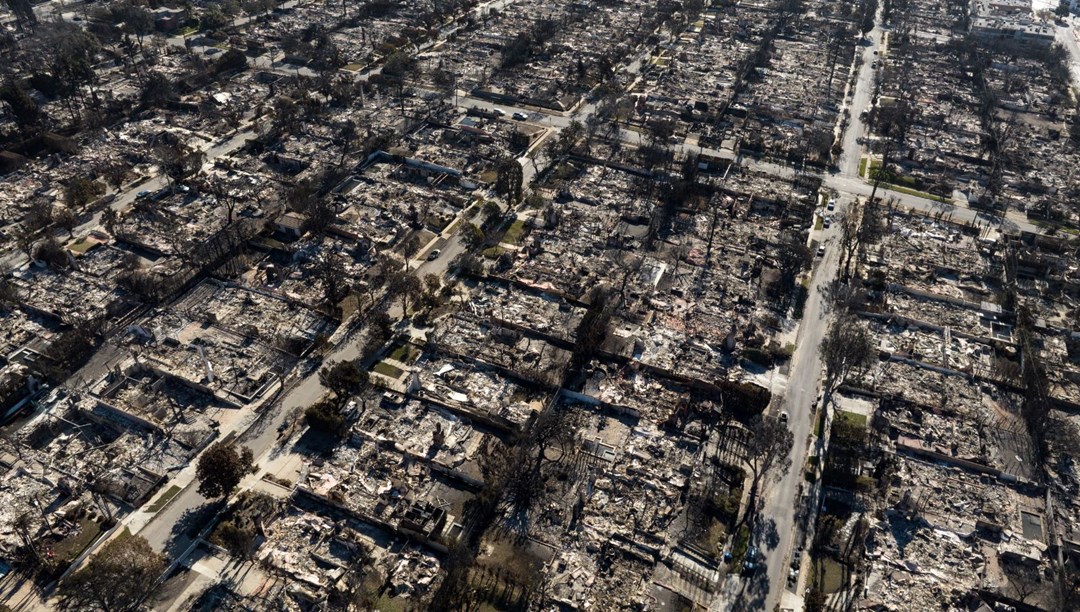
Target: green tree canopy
x=221, y=468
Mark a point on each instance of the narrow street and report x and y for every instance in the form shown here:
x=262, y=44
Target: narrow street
x=775, y=534
x=802, y=389
x=861, y=98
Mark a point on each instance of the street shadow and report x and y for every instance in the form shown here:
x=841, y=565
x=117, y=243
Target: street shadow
x=261, y=424
x=15, y=583
x=188, y=526
x=286, y=434
x=172, y=587
x=768, y=535
x=753, y=593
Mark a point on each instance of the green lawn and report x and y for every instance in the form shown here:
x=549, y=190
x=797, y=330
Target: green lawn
x=895, y=182
x=716, y=533
x=349, y=305
x=913, y=192
x=891, y=177
x=270, y=243
x=405, y=353
x=1047, y=225
x=388, y=370
x=738, y=548
x=69, y=548
x=164, y=499
x=831, y=573
x=513, y=235
x=82, y=246
x=853, y=419
x=388, y=603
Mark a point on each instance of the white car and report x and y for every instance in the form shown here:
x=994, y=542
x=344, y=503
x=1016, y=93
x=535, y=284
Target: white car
x=832, y=204
x=498, y=111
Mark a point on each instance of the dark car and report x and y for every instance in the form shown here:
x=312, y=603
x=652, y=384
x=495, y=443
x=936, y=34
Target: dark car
x=752, y=560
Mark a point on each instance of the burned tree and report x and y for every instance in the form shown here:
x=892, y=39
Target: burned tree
x=768, y=447
x=591, y=332
x=849, y=239
x=509, y=179
x=176, y=159
x=221, y=468
x=330, y=272
x=403, y=285
x=551, y=441
x=1024, y=578
x=792, y=257
x=847, y=348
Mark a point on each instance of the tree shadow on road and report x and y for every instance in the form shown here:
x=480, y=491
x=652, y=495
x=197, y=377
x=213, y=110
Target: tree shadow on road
x=258, y=427
x=190, y=523
x=753, y=594
x=767, y=534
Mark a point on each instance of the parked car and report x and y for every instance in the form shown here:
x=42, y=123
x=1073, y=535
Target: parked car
x=498, y=111
x=432, y=256
x=520, y=116
x=752, y=560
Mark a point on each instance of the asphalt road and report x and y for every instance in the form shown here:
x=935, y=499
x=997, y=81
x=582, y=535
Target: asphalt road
x=1066, y=36
x=775, y=533
x=802, y=389
x=860, y=101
